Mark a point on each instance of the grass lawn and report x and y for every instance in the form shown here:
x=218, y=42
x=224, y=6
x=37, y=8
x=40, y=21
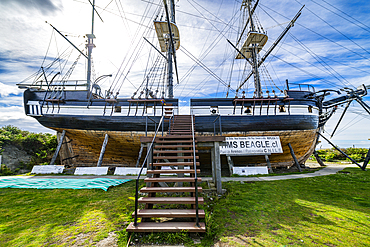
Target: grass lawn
x=331, y=210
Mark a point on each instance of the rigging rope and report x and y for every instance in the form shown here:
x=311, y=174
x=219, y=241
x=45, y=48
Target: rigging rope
x=336, y=30
x=318, y=34
x=353, y=22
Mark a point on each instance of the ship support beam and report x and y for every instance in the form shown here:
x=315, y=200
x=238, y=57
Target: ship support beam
x=217, y=167
x=367, y=159
x=354, y=162
x=294, y=157
x=58, y=148
x=102, y=150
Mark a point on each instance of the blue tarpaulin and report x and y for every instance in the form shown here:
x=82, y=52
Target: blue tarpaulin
x=55, y=183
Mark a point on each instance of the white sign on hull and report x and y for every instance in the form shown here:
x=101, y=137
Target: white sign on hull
x=47, y=169
x=129, y=171
x=251, y=145
x=91, y=171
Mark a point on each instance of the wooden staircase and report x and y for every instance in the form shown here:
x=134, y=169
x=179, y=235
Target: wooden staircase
x=175, y=150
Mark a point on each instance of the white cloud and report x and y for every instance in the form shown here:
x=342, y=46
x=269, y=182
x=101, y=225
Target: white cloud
x=6, y=90
x=15, y=116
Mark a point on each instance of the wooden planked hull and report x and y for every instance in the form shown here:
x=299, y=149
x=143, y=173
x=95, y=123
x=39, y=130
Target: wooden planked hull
x=85, y=145
x=302, y=141
x=123, y=147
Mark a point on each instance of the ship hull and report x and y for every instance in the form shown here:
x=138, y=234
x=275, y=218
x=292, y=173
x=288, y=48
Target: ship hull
x=123, y=148
x=85, y=140
x=294, y=120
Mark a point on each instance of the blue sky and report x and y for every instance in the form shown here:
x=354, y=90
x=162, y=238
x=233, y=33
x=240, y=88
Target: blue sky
x=336, y=31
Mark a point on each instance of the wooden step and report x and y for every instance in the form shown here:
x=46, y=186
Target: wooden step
x=172, y=179
x=173, y=146
x=175, y=141
x=170, y=200
x=175, y=164
x=169, y=213
x=169, y=189
x=171, y=171
x=174, y=157
x=166, y=227
x=175, y=136
x=181, y=130
x=180, y=133
x=173, y=151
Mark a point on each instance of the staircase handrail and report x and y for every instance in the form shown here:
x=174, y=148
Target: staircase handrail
x=195, y=174
x=150, y=150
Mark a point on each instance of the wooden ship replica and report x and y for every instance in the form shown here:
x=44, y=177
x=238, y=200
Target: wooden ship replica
x=87, y=116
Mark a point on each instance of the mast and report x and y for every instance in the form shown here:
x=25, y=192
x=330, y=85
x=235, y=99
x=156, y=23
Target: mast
x=169, y=40
x=254, y=52
x=170, y=53
x=90, y=45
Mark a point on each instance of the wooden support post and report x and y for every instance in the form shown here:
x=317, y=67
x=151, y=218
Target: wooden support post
x=218, y=168
x=58, y=148
x=366, y=160
x=102, y=150
x=140, y=153
x=295, y=158
x=318, y=159
x=268, y=163
x=213, y=165
x=231, y=164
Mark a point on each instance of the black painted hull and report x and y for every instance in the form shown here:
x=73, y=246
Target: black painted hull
x=202, y=123
x=101, y=123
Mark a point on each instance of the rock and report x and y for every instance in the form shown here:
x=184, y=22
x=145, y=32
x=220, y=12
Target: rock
x=14, y=158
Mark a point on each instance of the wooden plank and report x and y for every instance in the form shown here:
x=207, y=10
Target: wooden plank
x=172, y=171
x=169, y=189
x=175, y=164
x=176, y=132
x=175, y=137
x=174, y=157
x=173, y=151
x=178, y=141
x=166, y=227
x=170, y=200
x=173, y=146
x=171, y=179
x=168, y=213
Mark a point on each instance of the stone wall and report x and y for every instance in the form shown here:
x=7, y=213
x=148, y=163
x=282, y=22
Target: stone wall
x=15, y=158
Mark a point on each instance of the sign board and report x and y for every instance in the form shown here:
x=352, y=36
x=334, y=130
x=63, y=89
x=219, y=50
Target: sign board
x=129, y=171
x=245, y=171
x=47, y=169
x=91, y=171
x=250, y=145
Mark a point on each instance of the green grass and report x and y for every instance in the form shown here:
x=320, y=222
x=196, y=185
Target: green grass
x=30, y=217
x=331, y=210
